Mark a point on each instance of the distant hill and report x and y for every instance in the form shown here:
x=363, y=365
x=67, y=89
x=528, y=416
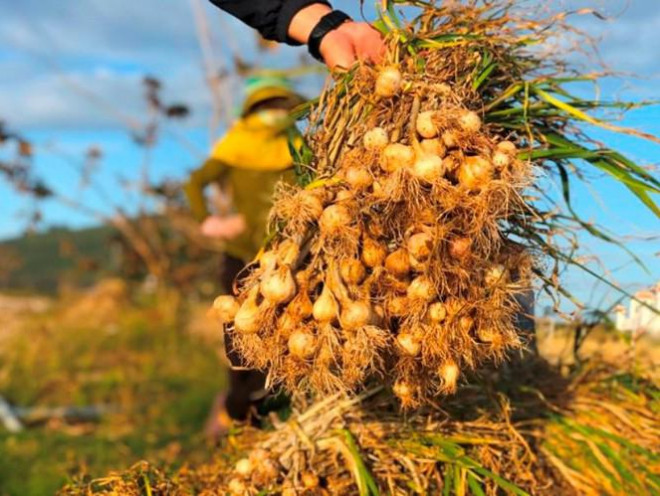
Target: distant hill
x=41, y=262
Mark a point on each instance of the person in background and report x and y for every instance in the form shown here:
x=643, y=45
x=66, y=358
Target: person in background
x=330, y=35
x=246, y=164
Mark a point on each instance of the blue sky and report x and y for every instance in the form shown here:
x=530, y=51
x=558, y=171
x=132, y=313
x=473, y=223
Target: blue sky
x=70, y=76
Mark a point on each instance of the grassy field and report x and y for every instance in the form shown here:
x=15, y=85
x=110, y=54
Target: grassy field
x=157, y=364
x=103, y=350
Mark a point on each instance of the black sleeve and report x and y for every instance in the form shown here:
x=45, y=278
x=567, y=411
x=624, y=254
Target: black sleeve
x=270, y=17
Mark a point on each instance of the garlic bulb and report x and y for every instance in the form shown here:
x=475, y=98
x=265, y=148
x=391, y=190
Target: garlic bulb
x=397, y=263
x=288, y=252
x=244, y=467
x=398, y=306
x=226, y=307
x=437, y=312
x=326, y=308
x=356, y=314
x=409, y=344
x=507, y=147
x=397, y=156
x=494, y=275
x=421, y=288
x=248, y=317
x=237, y=487
x=268, y=261
x=373, y=252
x=433, y=147
x=469, y=121
x=428, y=168
x=449, y=373
x=420, y=246
x=310, y=480
x=302, y=344
x=403, y=390
x=501, y=160
x=388, y=82
x=352, y=271
x=475, y=173
x=335, y=218
x=376, y=139
x=465, y=323
x=426, y=126
x=460, y=248
x=450, y=139
x=310, y=203
x=279, y=287
x=358, y=177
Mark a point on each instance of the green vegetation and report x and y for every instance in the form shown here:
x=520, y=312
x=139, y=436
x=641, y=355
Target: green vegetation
x=45, y=259
x=161, y=380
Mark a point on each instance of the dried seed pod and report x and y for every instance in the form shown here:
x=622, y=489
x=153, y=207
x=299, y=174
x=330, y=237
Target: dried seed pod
x=449, y=373
x=421, y=289
x=376, y=139
x=373, y=252
x=356, y=314
x=279, y=287
x=420, y=246
x=397, y=156
x=434, y=147
x=426, y=126
x=326, y=308
x=460, y=248
x=397, y=263
x=428, y=168
x=437, y=312
x=244, y=467
x=469, y=121
x=475, y=173
x=410, y=345
x=352, y=271
x=358, y=178
x=226, y=307
x=335, y=218
x=388, y=82
x=302, y=345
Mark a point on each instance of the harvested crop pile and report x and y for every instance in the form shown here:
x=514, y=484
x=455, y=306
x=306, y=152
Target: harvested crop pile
x=529, y=431
x=415, y=230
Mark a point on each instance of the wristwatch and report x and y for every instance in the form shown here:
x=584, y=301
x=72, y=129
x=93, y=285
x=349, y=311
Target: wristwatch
x=328, y=23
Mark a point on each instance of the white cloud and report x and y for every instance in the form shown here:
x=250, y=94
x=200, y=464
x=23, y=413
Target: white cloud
x=105, y=47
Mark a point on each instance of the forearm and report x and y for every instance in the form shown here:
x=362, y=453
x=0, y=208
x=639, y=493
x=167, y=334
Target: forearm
x=287, y=21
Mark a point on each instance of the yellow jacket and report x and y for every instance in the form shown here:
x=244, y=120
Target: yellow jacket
x=248, y=162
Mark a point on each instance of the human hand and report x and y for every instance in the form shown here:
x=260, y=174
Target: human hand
x=341, y=47
x=350, y=42
x=223, y=227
